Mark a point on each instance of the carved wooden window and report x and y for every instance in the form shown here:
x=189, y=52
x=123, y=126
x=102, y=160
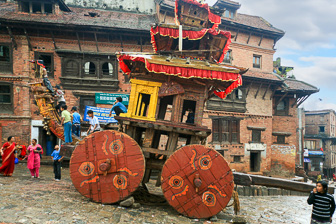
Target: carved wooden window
x=256, y=61
x=256, y=136
x=89, y=68
x=225, y=130
x=282, y=109
x=281, y=139
x=107, y=68
x=6, y=98
x=36, y=7
x=234, y=102
x=6, y=64
x=48, y=60
x=86, y=101
x=71, y=68
x=237, y=159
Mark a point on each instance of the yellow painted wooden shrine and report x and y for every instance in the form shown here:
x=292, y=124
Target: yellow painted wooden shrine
x=143, y=100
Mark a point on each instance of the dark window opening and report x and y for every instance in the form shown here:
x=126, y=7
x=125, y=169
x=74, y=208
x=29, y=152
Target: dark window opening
x=48, y=8
x=321, y=129
x=255, y=161
x=37, y=7
x=142, y=106
x=48, y=61
x=256, y=136
x=188, y=111
x=281, y=139
x=221, y=152
x=256, y=61
x=282, y=107
x=225, y=130
x=165, y=109
x=89, y=68
x=71, y=68
x=4, y=53
x=237, y=159
x=6, y=98
x=25, y=7
x=107, y=68
x=86, y=101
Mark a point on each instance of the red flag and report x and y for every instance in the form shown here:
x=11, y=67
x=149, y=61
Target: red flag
x=322, y=149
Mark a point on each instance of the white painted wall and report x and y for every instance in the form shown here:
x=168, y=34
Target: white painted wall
x=141, y=6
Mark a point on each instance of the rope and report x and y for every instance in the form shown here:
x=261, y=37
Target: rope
x=235, y=203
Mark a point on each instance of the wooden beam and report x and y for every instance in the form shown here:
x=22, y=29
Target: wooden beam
x=306, y=97
x=248, y=89
x=28, y=39
x=277, y=103
x=255, y=96
x=247, y=180
x=261, y=38
x=157, y=151
x=272, y=95
x=266, y=91
x=141, y=43
x=53, y=39
x=95, y=36
x=79, y=44
x=121, y=43
x=236, y=35
x=248, y=39
x=12, y=37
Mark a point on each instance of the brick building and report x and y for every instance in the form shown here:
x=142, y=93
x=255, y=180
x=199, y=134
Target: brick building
x=320, y=142
x=255, y=128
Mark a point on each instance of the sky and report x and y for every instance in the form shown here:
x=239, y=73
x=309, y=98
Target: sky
x=309, y=44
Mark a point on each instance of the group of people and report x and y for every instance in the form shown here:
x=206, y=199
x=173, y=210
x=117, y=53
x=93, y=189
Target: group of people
x=9, y=151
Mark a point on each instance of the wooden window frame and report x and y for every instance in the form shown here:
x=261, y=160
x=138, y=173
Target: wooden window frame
x=9, y=106
x=284, y=112
x=280, y=138
x=255, y=65
x=52, y=67
x=81, y=104
x=256, y=134
x=230, y=132
x=7, y=67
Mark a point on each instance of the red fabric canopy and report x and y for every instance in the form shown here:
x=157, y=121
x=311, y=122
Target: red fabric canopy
x=185, y=72
x=191, y=35
x=216, y=19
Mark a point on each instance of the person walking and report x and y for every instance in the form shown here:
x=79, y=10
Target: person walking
x=118, y=107
x=76, y=121
x=8, y=153
x=34, y=159
x=57, y=162
x=66, y=121
x=323, y=204
x=94, y=123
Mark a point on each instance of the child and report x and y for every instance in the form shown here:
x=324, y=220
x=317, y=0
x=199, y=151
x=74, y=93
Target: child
x=323, y=204
x=57, y=163
x=94, y=123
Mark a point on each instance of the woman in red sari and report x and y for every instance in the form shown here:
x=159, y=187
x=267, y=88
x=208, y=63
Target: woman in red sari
x=8, y=152
x=33, y=161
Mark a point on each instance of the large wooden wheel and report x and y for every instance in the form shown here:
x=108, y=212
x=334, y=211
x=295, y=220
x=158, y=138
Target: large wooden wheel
x=197, y=181
x=107, y=166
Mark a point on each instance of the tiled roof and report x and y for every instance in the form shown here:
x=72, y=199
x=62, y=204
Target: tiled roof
x=297, y=85
x=233, y=3
x=252, y=21
x=261, y=75
x=80, y=17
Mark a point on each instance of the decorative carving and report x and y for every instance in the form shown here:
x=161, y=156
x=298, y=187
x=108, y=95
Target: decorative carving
x=170, y=88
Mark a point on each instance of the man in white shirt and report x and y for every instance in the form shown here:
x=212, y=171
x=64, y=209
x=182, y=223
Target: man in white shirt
x=59, y=95
x=94, y=123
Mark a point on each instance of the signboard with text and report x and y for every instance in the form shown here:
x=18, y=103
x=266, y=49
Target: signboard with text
x=110, y=98
x=101, y=113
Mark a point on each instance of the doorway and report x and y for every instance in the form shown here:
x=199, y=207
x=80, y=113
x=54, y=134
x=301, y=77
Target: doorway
x=255, y=159
x=47, y=142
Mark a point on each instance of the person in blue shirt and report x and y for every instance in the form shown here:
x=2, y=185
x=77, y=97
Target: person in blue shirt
x=118, y=107
x=57, y=163
x=76, y=121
